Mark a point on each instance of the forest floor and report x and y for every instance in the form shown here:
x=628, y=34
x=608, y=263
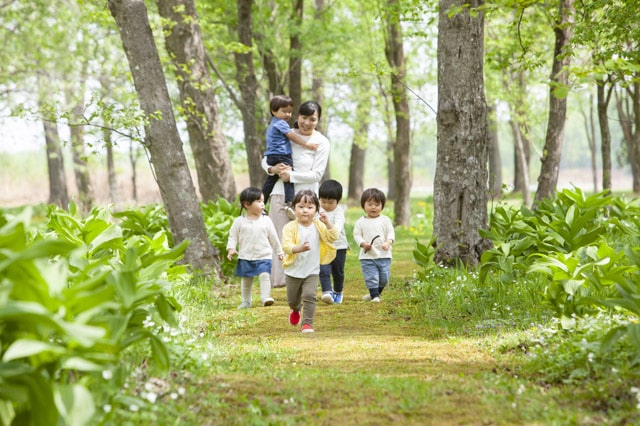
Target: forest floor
x=366, y=364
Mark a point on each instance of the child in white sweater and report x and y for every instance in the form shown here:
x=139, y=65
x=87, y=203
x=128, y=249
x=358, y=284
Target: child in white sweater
x=374, y=234
x=257, y=240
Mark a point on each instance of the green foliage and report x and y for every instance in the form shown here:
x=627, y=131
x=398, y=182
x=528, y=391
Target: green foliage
x=73, y=298
x=218, y=218
x=146, y=220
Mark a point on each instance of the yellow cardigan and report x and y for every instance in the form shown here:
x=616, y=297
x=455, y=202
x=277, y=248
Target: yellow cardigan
x=290, y=239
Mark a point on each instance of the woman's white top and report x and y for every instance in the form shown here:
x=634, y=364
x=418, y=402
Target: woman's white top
x=308, y=165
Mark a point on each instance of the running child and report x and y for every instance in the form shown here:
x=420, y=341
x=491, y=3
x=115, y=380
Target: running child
x=306, y=243
x=257, y=240
x=330, y=194
x=374, y=234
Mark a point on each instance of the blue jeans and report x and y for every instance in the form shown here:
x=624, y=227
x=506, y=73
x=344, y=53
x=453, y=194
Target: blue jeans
x=334, y=269
x=376, y=274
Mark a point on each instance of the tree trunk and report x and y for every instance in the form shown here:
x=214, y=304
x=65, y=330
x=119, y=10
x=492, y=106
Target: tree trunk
x=58, y=193
x=248, y=85
x=162, y=139
x=522, y=155
x=114, y=192
x=520, y=129
x=495, y=164
x=605, y=135
x=590, y=131
x=80, y=166
x=295, y=53
x=402, y=147
x=460, y=185
x=634, y=93
x=552, y=152
x=359, y=145
x=133, y=160
x=183, y=39
x=624, y=117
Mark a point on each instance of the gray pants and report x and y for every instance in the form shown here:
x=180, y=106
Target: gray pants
x=301, y=295
x=278, y=215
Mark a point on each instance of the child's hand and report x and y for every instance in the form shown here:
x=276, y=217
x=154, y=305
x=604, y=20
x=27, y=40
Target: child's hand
x=323, y=217
x=281, y=257
x=366, y=246
x=312, y=146
x=303, y=247
x=386, y=246
x=230, y=254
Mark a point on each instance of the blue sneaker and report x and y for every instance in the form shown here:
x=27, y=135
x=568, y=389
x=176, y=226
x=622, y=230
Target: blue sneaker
x=337, y=297
x=327, y=298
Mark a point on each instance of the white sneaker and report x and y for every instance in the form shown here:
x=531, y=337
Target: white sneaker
x=327, y=298
x=244, y=305
x=366, y=297
x=376, y=300
x=268, y=301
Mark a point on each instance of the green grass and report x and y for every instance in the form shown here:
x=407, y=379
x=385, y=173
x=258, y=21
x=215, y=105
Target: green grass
x=443, y=351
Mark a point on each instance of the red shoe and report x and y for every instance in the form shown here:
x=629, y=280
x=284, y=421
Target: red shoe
x=306, y=328
x=294, y=317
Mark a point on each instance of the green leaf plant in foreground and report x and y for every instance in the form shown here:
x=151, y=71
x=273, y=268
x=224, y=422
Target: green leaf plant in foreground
x=73, y=298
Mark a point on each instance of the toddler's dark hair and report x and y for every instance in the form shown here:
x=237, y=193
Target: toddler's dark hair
x=279, y=101
x=306, y=196
x=249, y=195
x=330, y=190
x=373, y=194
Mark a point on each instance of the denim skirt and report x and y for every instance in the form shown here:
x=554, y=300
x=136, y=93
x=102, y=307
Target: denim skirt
x=252, y=268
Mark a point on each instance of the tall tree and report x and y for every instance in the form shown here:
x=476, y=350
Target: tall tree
x=394, y=51
x=183, y=39
x=86, y=196
x=460, y=186
x=603, y=98
x=359, y=143
x=295, y=51
x=495, y=165
x=58, y=193
x=162, y=139
x=248, y=86
x=548, y=178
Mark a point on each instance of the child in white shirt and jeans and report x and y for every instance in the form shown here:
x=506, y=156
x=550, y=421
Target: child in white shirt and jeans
x=374, y=234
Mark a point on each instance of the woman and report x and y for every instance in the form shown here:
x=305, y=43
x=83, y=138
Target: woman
x=308, y=168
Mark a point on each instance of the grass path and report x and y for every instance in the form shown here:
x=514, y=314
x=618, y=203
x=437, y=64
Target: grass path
x=366, y=364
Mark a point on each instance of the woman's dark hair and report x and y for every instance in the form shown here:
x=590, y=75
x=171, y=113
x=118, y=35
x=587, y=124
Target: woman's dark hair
x=330, y=190
x=249, y=195
x=309, y=107
x=373, y=194
x=279, y=101
x=306, y=196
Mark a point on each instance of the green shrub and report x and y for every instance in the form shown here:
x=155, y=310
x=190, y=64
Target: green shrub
x=73, y=298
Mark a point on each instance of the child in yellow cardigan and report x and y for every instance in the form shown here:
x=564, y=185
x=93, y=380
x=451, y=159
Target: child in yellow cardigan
x=306, y=243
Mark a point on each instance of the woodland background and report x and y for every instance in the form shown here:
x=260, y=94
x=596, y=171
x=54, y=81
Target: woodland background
x=60, y=59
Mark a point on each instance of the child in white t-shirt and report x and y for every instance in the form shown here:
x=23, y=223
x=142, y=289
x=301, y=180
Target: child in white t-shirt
x=330, y=194
x=306, y=242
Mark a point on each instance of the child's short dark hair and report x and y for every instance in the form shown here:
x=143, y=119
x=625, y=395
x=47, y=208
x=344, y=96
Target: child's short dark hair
x=330, y=190
x=373, y=194
x=249, y=195
x=279, y=101
x=306, y=196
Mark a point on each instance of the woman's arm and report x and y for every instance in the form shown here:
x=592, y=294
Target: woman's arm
x=318, y=166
